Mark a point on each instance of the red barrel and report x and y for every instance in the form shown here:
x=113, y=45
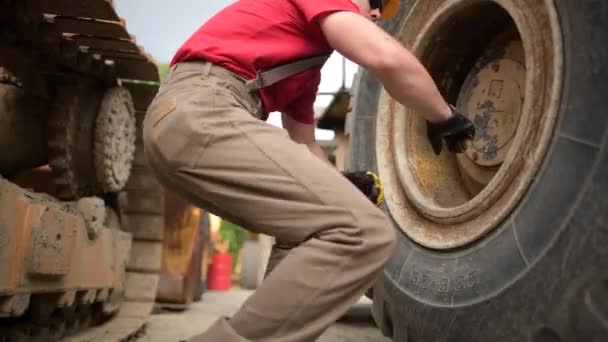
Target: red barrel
x=220, y=272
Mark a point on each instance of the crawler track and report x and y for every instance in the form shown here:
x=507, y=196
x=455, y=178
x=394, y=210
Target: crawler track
x=46, y=44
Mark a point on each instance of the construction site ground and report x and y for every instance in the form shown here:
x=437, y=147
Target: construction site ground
x=166, y=325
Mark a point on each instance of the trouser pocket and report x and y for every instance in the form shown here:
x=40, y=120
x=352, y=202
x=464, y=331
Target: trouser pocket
x=172, y=134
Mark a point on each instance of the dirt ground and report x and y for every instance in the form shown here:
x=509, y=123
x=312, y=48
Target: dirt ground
x=357, y=326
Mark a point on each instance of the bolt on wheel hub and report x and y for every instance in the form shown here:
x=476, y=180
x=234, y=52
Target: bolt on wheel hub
x=494, y=106
x=492, y=97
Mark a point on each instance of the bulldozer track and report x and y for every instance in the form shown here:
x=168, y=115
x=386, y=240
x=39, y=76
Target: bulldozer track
x=89, y=39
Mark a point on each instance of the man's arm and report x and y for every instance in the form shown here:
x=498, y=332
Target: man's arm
x=400, y=72
x=303, y=134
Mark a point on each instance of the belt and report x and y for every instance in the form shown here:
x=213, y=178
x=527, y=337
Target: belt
x=207, y=68
x=265, y=78
x=239, y=83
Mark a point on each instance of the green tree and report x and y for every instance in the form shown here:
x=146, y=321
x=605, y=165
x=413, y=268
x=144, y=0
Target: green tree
x=163, y=70
x=235, y=236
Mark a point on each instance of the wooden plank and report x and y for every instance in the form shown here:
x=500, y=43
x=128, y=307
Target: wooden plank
x=99, y=9
x=83, y=26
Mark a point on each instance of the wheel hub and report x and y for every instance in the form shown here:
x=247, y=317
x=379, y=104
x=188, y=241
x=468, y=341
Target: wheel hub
x=494, y=106
x=488, y=59
x=114, y=139
x=87, y=119
x=492, y=96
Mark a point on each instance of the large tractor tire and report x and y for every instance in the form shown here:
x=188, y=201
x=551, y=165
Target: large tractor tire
x=508, y=241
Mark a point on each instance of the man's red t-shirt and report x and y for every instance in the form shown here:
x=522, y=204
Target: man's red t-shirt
x=252, y=35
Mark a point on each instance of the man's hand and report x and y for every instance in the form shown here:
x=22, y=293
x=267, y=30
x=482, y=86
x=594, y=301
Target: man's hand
x=368, y=183
x=456, y=131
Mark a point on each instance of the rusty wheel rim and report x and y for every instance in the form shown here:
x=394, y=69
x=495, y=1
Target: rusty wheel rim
x=451, y=201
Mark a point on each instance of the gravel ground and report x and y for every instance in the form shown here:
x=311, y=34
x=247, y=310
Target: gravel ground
x=174, y=325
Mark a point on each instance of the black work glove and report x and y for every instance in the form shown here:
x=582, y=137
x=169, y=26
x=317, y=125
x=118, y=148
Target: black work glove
x=368, y=183
x=455, y=131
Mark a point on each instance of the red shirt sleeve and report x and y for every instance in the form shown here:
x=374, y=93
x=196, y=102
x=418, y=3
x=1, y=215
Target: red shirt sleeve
x=314, y=9
x=302, y=108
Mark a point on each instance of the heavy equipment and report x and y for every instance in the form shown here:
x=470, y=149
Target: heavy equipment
x=508, y=241
x=81, y=216
x=185, y=254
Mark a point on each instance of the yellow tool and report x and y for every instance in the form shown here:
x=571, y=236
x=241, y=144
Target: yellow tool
x=368, y=183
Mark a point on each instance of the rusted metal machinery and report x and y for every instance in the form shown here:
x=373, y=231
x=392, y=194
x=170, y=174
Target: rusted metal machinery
x=186, y=247
x=81, y=217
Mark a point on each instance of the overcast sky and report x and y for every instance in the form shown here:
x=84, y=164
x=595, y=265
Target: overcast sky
x=161, y=27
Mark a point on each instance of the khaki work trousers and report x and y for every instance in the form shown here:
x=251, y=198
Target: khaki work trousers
x=203, y=138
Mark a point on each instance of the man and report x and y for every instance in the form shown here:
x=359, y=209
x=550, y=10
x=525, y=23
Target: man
x=205, y=137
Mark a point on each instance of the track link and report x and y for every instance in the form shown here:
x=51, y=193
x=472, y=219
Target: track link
x=83, y=49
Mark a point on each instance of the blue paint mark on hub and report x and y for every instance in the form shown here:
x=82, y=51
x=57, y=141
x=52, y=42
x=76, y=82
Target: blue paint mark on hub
x=484, y=134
